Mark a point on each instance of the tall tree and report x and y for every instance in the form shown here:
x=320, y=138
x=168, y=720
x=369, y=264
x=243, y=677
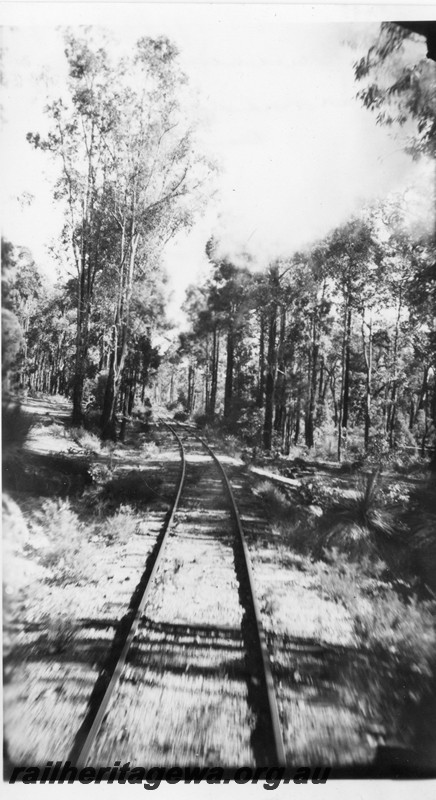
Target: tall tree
x=400, y=86
x=80, y=125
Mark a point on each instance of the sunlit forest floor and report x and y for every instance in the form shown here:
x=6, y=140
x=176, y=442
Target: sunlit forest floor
x=344, y=563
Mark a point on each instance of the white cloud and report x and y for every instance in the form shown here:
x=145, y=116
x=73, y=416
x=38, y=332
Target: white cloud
x=276, y=100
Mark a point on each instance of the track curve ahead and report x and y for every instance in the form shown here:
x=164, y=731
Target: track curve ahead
x=266, y=738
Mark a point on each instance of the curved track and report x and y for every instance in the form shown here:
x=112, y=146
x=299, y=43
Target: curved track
x=266, y=738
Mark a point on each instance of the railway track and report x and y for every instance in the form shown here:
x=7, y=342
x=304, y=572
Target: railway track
x=192, y=681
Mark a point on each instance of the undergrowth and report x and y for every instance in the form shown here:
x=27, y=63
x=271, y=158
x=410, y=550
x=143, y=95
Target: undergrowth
x=383, y=621
x=67, y=551
x=16, y=424
x=121, y=526
x=369, y=548
x=136, y=488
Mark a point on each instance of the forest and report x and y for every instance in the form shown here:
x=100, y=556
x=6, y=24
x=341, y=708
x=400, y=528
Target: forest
x=332, y=347
x=312, y=373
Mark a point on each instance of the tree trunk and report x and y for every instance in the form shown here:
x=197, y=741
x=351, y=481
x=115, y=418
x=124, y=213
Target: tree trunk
x=228, y=389
x=297, y=421
x=280, y=390
x=392, y=408
x=121, y=330
x=344, y=395
x=191, y=389
x=108, y=420
x=367, y=354
x=124, y=414
x=261, y=379
x=313, y=379
x=81, y=351
x=214, y=378
x=270, y=378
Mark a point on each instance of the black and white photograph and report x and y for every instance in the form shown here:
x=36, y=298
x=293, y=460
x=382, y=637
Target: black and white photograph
x=218, y=395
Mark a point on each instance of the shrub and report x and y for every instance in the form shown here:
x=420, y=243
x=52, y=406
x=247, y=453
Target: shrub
x=297, y=534
x=383, y=621
x=119, y=528
x=180, y=416
x=359, y=525
x=404, y=629
x=87, y=440
x=16, y=424
x=150, y=449
x=59, y=631
x=273, y=497
x=143, y=410
x=136, y=487
x=420, y=517
x=68, y=553
x=201, y=420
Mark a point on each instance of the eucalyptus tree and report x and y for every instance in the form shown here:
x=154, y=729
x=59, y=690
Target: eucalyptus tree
x=157, y=184
x=399, y=85
x=80, y=123
x=130, y=179
x=22, y=293
x=353, y=252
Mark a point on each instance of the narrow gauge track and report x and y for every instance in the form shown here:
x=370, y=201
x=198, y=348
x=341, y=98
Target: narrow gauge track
x=157, y=649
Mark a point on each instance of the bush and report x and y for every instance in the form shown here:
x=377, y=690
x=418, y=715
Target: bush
x=201, y=420
x=420, y=517
x=404, y=629
x=296, y=534
x=68, y=553
x=273, y=497
x=15, y=425
x=119, y=528
x=59, y=631
x=87, y=440
x=359, y=525
x=136, y=487
x=180, y=416
x=150, y=449
x=383, y=621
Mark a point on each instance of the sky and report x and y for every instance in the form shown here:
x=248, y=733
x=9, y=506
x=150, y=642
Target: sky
x=275, y=100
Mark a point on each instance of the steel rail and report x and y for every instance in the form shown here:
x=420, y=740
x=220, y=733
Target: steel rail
x=279, y=758
x=80, y=758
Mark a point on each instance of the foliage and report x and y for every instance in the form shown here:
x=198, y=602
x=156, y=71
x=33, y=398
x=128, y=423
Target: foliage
x=383, y=621
x=405, y=630
x=87, y=440
x=135, y=488
x=273, y=497
x=400, y=85
x=130, y=177
x=359, y=525
x=67, y=554
x=333, y=344
x=16, y=424
x=121, y=526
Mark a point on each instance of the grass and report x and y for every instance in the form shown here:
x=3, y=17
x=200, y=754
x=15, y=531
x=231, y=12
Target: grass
x=403, y=629
x=359, y=524
x=384, y=622
x=368, y=547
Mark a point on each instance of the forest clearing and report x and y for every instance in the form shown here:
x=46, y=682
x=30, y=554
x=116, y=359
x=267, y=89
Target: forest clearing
x=220, y=523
